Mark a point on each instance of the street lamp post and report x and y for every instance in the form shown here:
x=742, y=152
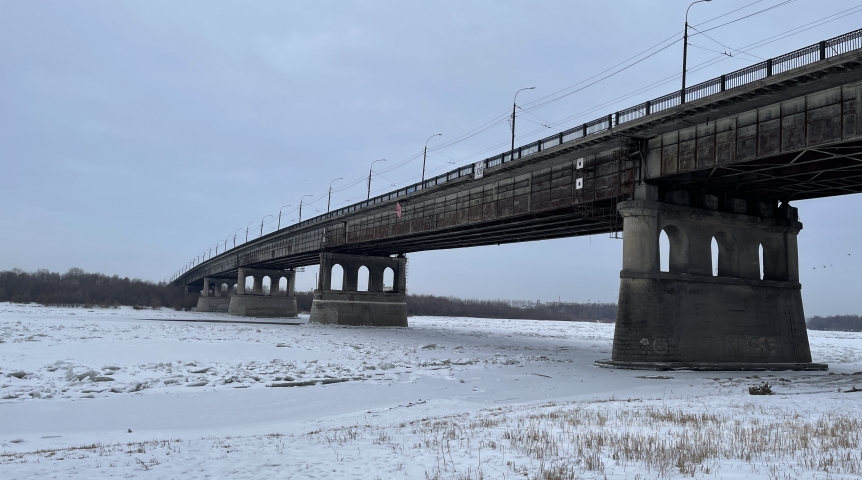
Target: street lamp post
x=425, y=155
x=246, y=230
x=514, y=106
x=211, y=249
x=261, y=224
x=219, y=243
x=234, y=236
x=279, y=217
x=329, y=198
x=369, y=176
x=300, y=207
x=685, y=50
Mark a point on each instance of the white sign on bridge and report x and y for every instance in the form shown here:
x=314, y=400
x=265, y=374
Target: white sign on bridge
x=478, y=170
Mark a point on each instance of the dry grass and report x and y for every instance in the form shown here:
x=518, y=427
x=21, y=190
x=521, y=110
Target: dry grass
x=590, y=440
x=763, y=389
x=552, y=441
x=132, y=449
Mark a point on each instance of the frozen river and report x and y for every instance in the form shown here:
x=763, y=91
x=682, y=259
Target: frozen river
x=123, y=392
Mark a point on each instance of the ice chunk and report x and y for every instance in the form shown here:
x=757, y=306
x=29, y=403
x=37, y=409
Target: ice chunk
x=88, y=373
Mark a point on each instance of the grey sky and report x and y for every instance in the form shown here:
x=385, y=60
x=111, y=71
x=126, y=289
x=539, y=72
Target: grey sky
x=134, y=135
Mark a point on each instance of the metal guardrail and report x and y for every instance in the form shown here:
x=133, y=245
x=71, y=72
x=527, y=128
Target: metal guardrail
x=798, y=58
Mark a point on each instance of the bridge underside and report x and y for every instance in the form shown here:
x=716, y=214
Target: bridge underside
x=822, y=171
x=596, y=219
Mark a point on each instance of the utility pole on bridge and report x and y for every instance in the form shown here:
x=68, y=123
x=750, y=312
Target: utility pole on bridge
x=684, y=51
x=514, y=106
x=369, y=176
x=425, y=155
x=300, y=207
x=246, y=230
x=279, y=217
x=329, y=198
x=261, y=224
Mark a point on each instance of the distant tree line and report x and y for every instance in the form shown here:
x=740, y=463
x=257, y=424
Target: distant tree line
x=77, y=287
x=519, y=309
x=303, y=301
x=852, y=323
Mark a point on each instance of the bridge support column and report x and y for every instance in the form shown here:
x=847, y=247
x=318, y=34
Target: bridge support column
x=258, y=304
x=693, y=316
x=240, y=281
x=215, y=302
x=378, y=306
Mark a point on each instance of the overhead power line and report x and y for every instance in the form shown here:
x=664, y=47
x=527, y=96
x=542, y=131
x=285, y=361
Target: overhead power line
x=543, y=100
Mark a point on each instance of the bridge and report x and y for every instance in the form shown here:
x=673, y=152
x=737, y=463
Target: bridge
x=720, y=160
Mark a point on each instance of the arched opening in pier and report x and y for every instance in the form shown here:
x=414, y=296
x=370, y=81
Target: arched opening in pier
x=266, y=285
x=362, y=282
x=336, y=277
x=760, y=259
x=388, y=279
x=664, y=252
x=713, y=250
x=282, y=285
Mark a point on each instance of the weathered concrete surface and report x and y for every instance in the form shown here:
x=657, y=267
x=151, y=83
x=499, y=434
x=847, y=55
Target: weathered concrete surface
x=349, y=306
x=671, y=318
x=262, y=306
x=213, y=304
x=712, y=367
x=275, y=277
x=279, y=303
x=688, y=315
x=374, y=309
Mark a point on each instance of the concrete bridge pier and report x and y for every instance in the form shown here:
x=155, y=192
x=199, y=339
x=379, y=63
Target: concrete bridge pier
x=696, y=317
x=378, y=306
x=259, y=303
x=213, y=298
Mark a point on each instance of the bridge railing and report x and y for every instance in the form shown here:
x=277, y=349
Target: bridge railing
x=798, y=58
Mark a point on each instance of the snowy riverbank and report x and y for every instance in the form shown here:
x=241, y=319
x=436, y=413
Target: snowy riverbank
x=445, y=398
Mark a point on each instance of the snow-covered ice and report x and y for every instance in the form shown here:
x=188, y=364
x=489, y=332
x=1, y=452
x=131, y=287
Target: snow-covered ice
x=122, y=392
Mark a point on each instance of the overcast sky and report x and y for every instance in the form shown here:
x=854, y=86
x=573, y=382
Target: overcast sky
x=134, y=135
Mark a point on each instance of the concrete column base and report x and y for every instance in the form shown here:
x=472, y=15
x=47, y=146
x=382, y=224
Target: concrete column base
x=714, y=367
x=213, y=304
x=262, y=306
x=743, y=312
x=667, y=318
x=377, y=309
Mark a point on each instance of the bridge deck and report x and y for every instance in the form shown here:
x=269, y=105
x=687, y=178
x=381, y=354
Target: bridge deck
x=790, y=135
